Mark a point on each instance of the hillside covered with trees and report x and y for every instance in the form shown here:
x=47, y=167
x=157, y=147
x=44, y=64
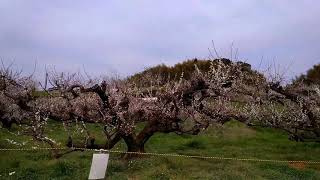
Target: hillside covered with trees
x=163, y=73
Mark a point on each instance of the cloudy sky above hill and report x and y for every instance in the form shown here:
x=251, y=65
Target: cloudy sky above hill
x=123, y=37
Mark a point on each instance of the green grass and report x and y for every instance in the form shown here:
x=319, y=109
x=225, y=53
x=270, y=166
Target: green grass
x=231, y=140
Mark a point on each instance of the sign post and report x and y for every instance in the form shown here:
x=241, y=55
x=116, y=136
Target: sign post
x=99, y=166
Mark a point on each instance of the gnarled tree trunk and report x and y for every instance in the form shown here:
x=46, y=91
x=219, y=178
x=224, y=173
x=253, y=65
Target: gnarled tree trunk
x=136, y=143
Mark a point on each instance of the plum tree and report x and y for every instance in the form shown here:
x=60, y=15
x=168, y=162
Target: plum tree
x=185, y=106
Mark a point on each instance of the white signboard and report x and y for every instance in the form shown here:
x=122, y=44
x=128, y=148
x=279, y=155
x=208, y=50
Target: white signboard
x=99, y=166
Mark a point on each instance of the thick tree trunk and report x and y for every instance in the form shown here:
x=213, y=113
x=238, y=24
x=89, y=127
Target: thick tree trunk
x=138, y=148
x=111, y=142
x=145, y=134
x=133, y=147
x=135, y=144
x=6, y=123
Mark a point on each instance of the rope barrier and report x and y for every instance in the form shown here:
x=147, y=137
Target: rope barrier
x=166, y=155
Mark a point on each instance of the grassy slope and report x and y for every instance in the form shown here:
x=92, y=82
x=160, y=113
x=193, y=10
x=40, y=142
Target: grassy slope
x=232, y=140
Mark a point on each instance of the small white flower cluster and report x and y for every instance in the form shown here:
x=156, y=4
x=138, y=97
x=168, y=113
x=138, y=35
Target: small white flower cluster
x=16, y=143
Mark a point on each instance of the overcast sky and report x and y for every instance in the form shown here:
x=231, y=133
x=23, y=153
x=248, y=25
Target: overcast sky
x=124, y=37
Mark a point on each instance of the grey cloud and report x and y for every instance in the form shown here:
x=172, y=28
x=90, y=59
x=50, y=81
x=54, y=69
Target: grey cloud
x=125, y=37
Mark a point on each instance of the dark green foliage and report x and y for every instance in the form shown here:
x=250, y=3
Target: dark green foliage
x=312, y=76
x=161, y=74
x=173, y=73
